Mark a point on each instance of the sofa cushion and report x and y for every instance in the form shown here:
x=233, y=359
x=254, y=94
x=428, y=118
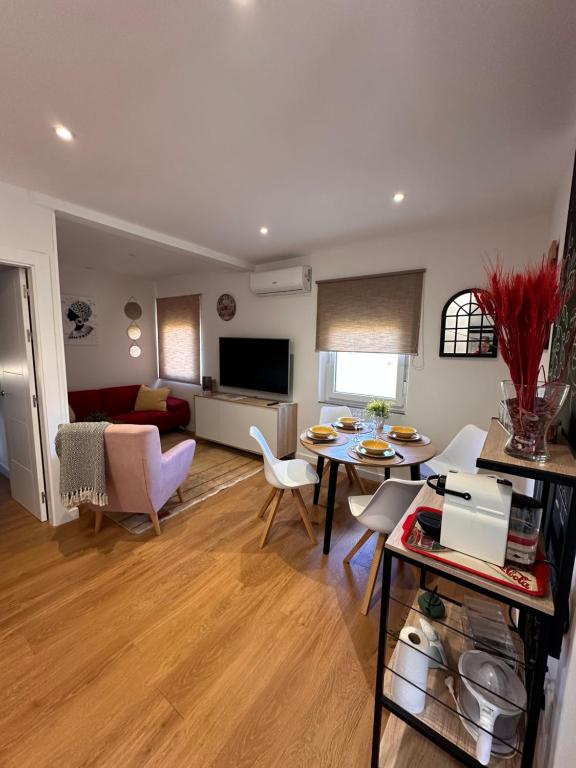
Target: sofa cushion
x=164, y=420
x=119, y=399
x=139, y=417
x=150, y=399
x=85, y=402
x=177, y=404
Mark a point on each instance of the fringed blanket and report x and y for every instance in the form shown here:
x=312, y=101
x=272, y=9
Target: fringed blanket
x=80, y=448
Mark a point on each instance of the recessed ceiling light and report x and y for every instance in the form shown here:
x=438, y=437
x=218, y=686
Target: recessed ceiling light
x=398, y=197
x=263, y=230
x=63, y=133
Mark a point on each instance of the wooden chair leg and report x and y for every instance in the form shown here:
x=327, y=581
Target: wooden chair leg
x=350, y=474
x=155, y=522
x=358, y=546
x=271, y=516
x=180, y=497
x=268, y=501
x=304, y=514
x=98, y=520
x=358, y=480
x=373, y=573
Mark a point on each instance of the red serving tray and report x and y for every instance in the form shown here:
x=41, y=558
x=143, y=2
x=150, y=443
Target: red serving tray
x=533, y=582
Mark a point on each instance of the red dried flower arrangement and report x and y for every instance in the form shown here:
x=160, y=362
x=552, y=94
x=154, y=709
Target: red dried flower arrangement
x=524, y=307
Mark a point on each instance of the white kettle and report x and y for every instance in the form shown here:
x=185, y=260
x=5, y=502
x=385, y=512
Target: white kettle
x=493, y=697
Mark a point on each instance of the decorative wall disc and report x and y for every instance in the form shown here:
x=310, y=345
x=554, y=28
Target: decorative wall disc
x=132, y=309
x=134, y=331
x=226, y=306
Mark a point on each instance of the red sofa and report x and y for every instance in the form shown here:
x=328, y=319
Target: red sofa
x=118, y=405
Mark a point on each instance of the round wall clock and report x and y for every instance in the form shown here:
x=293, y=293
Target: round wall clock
x=226, y=306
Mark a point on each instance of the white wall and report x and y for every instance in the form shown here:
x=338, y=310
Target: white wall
x=443, y=394
x=27, y=238
x=108, y=363
x=561, y=719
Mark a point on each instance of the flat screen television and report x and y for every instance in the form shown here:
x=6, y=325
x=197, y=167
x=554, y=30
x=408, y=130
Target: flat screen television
x=262, y=365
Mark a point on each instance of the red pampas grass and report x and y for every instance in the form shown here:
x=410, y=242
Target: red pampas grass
x=524, y=307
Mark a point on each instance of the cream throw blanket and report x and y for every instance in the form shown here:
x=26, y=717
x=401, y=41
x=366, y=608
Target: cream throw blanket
x=80, y=448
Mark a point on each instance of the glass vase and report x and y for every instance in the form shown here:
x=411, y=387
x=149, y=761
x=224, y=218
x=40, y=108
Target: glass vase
x=379, y=423
x=531, y=408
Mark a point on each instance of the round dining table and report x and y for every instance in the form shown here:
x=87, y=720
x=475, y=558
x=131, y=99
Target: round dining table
x=342, y=451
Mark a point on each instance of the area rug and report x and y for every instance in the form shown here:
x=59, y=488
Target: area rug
x=215, y=467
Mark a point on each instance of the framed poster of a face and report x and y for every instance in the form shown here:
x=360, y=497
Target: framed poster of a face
x=79, y=320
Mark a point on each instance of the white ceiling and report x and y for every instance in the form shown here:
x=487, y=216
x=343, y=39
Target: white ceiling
x=208, y=119
x=95, y=246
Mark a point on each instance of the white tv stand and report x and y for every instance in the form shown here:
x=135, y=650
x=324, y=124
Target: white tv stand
x=226, y=418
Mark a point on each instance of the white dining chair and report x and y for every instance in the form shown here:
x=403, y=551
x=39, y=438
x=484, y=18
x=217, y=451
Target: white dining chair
x=330, y=414
x=380, y=514
x=284, y=475
x=460, y=453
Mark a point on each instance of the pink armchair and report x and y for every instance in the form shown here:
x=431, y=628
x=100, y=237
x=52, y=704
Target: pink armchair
x=140, y=478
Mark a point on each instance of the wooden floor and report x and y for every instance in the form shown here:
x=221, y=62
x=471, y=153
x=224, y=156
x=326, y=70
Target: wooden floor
x=192, y=650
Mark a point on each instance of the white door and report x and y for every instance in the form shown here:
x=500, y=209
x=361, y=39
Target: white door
x=18, y=394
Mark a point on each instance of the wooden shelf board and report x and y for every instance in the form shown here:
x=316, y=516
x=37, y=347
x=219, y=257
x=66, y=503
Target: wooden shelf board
x=429, y=498
x=260, y=402
x=444, y=719
x=403, y=747
x=561, y=468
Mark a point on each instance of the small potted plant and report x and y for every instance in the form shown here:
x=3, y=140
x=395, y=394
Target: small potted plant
x=379, y=410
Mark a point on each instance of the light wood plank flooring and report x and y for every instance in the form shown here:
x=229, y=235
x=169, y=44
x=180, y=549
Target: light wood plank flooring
x=192, y=650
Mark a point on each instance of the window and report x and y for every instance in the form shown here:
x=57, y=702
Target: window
x=371, y=313
x=178, y=320
x=355, y=378
x=366, y=329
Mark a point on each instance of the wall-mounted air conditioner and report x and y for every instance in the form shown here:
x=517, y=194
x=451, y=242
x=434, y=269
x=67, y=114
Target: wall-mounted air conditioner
x=288, y=280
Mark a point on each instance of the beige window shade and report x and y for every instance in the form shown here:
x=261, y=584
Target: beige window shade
x=372, y=313
x=178, y=319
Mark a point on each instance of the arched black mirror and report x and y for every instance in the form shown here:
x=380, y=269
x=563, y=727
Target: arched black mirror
x=466, y=331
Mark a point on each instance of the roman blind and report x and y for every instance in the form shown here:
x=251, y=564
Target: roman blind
x=371, y=313
x=178, y=319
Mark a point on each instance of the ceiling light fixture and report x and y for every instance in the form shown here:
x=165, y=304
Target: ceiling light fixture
x=399, y=197
x=63, y=133
x=263, y=230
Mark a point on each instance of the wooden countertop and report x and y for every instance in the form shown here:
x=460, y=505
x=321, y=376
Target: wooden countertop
x=561, y=468
x=427, y=497
x=260, y=402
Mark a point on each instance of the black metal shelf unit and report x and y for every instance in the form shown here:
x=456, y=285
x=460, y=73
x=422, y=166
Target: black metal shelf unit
x=555, y=487
x=533, y=637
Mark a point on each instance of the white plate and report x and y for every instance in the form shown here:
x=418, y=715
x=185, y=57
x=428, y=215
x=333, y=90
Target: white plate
x=412, y=439
x=358, y=427
x=317, y=439
x=388, y=453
